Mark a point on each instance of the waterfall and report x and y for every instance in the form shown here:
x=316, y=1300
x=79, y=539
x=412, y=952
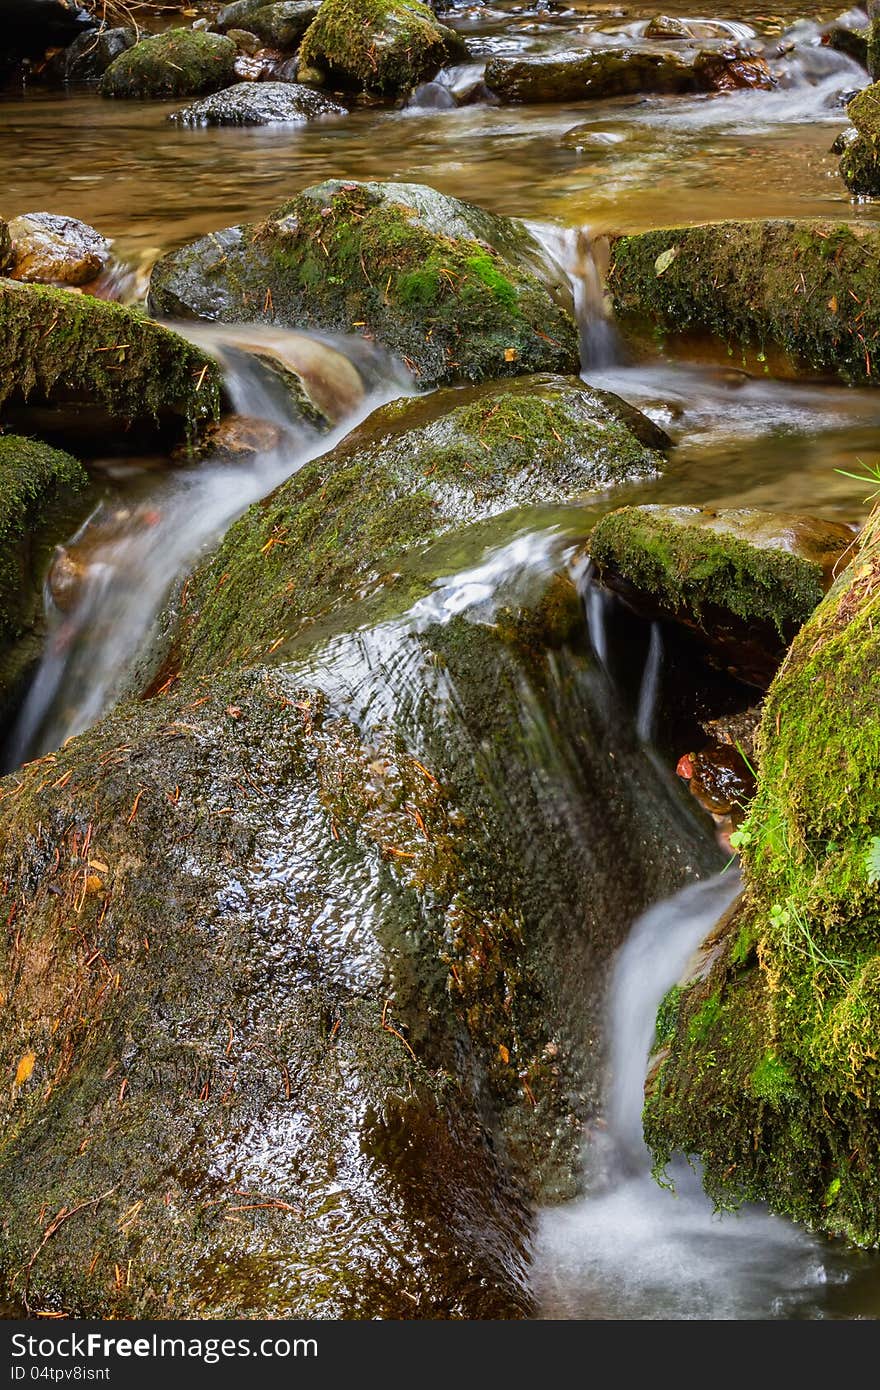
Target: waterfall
x=582, y=257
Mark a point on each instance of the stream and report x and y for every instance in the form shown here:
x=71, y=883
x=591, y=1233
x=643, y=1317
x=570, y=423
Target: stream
x=627, y=1247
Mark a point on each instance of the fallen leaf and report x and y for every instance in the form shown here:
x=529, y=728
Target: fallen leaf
x=503, y=1053
x=510, y=354
x=25, y=1068
x=664, y=260
x=832, y=304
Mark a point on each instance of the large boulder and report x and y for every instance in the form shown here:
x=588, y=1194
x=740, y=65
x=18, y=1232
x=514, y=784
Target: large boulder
x=580, y=74
x=806, y=289
x=178, y=63
x=769, y=1068
x=453, y=290
x=50, y=249
x=259, y=103
x=382, y=46
x=40, y=493
x=741, y=581
x=280, y=25
x=83, y=357
x=859, y=147
x=90, y=55
x=416, y=469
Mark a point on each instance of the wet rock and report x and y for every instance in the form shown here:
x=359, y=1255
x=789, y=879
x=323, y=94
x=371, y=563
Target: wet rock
x=178, y=63
x=282, y=25
x=859, y=147
x=244, y=41
x=5, y=246
x=381, y=46
x=772, y=1068
x=48, y=249
x=89, y=56
x=664, y=26
x=100, y=361
x=742, y=581
x=738, y=731
x=414, y=470
x=852, y=42
x=40, y=491
x=804, y=288
x=93, y=550
x=259, y=103
x=458, y=293
x=581, y=74
x=236, y=439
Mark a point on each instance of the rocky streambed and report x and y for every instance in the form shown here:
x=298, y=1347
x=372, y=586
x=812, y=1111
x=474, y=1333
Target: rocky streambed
x=398, y=599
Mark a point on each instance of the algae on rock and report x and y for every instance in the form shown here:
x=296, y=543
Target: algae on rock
x=809, y=289
x=778, y=1093
x=381, y=46
x=178, y=63
x=458, y=293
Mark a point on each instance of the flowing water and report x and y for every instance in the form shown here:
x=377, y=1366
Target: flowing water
x=742, y=435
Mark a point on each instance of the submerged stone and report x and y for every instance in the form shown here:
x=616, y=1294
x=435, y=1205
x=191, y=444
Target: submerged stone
x=382, y=46
x=49, y=249
x=770, y=1069
x=742, y=581
x=456, y=292
x=99, y=360
x=802, y=287
x=259, y=103
x=178, y=63
x=38, y=491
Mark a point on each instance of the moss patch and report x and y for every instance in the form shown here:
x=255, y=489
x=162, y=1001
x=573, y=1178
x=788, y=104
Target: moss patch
x=178, y=63
x=63, y=348
x=440, y=283
x=792, y=1114
x=807, y=288
x=382, y=46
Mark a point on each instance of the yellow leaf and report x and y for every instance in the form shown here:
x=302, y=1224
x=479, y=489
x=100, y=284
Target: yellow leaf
x=25, y=1067
x=832, y=304
x=503, y=1053
x=510, y=354
x=96, y=864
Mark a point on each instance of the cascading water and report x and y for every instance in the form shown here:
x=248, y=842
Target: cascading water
x=630, y=1248
x=583, y=259
x=139, y=547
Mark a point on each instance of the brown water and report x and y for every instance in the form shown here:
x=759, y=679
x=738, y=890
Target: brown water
x=741, y=436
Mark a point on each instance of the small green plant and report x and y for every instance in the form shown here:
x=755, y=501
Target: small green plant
x=872, y=861
x=871, y=474
x=740, y=838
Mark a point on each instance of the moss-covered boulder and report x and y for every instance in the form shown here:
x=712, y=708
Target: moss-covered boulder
x=338, y=529
x=89, y=360
x=457, y=293
x=217, y=1069
x=770, y=1071
x=807, y=289
x=859, y=147
x=39, y=492
x=178, y=63
x=742, y=581
x=281, y=25
x=259, y=103
x=381, y=46
x=582, y=74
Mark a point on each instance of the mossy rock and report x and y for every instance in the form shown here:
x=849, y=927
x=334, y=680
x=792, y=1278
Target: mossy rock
x=5, y=245
x=178, y=63
x=597, y=74
x=809, y=289
x=282, y=25
x=381, y=46
x=417, y=468
x=82, y=354
x=780, y=1095
x=860, y=147
x=230, y=1070
x=41, y=492
x=742, y=581
x=456, y=292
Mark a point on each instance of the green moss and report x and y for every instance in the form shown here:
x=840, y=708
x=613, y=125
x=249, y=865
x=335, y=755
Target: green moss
x=396, y=262
x=339, y=530
x=667, y=1015
x=58, y=346
x=808, y=996
x=180, y=62
x=382, y=46
x=808, y=289
x=691, y=567
x=701, y=1023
